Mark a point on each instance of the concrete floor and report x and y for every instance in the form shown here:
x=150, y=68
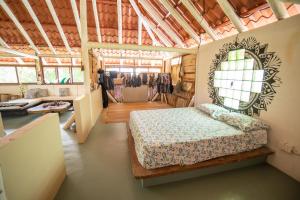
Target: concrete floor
x=100, y=169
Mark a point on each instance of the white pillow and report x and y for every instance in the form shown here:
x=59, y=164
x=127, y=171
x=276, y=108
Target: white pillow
x=243, y=122
x=211, y=108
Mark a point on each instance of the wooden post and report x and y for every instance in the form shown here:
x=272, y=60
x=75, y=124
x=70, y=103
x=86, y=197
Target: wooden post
x=197, y=79
x=1, y=127
x=84, y=48
x=39, y=70
x=155, y=97
x=192, y=102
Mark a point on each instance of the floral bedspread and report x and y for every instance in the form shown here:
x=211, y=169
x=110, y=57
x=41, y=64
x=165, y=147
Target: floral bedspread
x=186, y=136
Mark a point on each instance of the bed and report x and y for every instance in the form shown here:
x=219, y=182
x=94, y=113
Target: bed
x=185, y=136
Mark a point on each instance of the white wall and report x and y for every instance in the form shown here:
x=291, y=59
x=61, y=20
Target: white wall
x=87, y=108
x=283, y=38
x=32, y=160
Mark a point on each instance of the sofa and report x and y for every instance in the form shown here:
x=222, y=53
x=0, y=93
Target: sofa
x=33, y=97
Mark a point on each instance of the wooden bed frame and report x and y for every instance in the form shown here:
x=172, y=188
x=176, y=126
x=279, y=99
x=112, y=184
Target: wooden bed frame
x=151, y=177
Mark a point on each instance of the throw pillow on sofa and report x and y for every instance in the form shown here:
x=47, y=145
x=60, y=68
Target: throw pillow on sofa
x=31, y=93
x=64, y=92
x=42, y=93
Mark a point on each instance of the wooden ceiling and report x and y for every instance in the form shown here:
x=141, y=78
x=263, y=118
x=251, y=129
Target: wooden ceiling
x=252, y=12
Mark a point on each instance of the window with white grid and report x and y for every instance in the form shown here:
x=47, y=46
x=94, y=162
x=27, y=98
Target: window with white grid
x=237, y=79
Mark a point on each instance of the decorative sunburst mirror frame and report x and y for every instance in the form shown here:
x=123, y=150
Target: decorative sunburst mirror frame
x=262, y=60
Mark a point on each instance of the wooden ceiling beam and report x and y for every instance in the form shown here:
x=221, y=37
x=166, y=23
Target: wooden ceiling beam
x=134, y=58
x=18, y=53
x=95, y=11
x=20, y=27
x=40, y=28
x=140, y=23
x=278, y=9
x=120, y=23
x=155, y=15
x=4, y=44
x=84, y=47
x=58, y=25
x=59, y=55
x=119, y=11
x=161, y=35
x=140, y=27
x=233, y=17
x=76, y=16
x=97, y=45
x=200, y=19
x=144, y=22
x=180, y=20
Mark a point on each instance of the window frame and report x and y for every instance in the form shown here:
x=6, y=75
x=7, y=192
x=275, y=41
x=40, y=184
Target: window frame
x=15, y=66
x=226, y=77
x=29, y=83
x=70, y=67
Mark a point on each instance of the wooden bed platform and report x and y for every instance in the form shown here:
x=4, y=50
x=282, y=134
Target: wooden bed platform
x=150, y=177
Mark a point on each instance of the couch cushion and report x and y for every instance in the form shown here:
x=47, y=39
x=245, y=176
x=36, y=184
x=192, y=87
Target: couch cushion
x=42, y=93
x=64, y=92
x=31, y=93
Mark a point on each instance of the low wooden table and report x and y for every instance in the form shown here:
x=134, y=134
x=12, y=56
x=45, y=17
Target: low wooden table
x=51, y=107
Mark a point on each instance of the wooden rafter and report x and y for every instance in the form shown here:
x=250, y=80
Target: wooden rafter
x=161, y=35
x=76, y=16
x=278, y=9
x=140, y=27
x=84, y=46
x=95, y=10
x=20, y=27
x=119, y=11
x=40, y=28
x=144, y=22
x=140, y=31
x=155, y=15
x=230, y=13
x=4, y=44
x=58, y=25
x=180, y=20
x=200, y=19
x=133, y=57
x=18, y=53
x=98, y=45
x=120, y=22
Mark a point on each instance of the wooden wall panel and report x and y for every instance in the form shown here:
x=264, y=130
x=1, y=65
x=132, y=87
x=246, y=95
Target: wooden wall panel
x=182, y=99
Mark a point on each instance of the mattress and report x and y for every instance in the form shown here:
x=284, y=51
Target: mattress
x=185, y=136
x=29, y=103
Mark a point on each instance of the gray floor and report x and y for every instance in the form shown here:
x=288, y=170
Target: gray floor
x=100, y=169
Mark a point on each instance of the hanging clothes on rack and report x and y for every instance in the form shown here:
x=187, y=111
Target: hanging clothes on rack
x=144, y=78
x=151, y=86
x=118, y=92
x=108, y=80
x=164, y=83
x=136, y=81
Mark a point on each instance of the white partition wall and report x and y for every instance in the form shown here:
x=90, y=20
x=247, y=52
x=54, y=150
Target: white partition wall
x=32, y=160
x=87, y=108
